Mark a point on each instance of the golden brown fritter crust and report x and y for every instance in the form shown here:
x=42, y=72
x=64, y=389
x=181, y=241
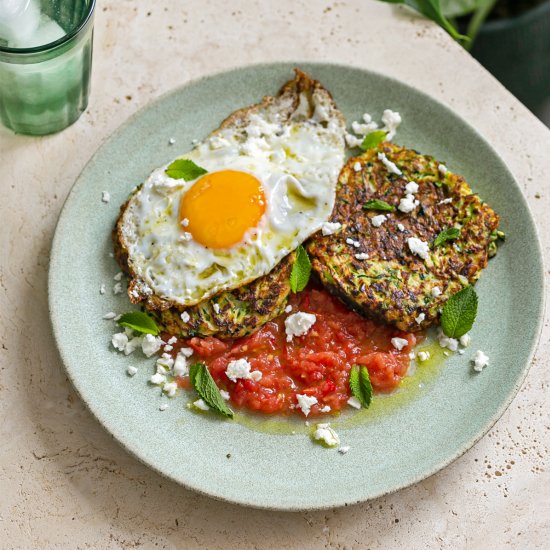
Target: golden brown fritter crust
x=395, y=285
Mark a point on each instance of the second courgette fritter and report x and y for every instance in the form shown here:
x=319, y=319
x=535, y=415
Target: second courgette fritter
x=388, y=268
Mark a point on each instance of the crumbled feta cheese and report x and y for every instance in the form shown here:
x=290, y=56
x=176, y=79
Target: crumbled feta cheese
x=446, y=201
x=240, y=368
x=180, y=367
x=288, y=308
x=185, y=222
x=171, y=141
x=461, y=351
x=305, y=402
x=399, y=343
x=329, y=228
x=356, y=244
x=105, y=196
x=344, y=449
x=132, y=345
x=446, y=353
x=357, y=166
x=150, y=345
x=362, y=256
x=216, y=308
x=187, y=352
x=390, y=166
x=480, y=361
x=391, y=120
x=157, y=379
x=446, y=342
x=377, y=221
x=442, y=169
x=185, y=317
x=185, y=236
x=172, y=340
x=117, y=289
x=354, y=402
x=420, y=318
x=353, y=141
x=423, y=355
x=401, y=227
x=168, y=347
x=165, y=361
x=349, y=241
x=411, y=188
x=119, y=340
x=170, y=389
x=418, y=247
x=325, y=433
x=325, y=409
x=298, y=324
x=132, y=371
x=363, y=129
x=102, y=289
x=408, y=203
x=436, y=291
x=465, y=340
x=163, y=406
x=118, y=276
x=109, y=316
x=224, y=394
x=200, y=404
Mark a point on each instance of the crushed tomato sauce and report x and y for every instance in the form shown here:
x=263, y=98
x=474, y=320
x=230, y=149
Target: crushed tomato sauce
x=316, y=364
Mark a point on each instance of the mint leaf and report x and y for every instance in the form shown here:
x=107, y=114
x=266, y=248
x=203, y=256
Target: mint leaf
x=301, y=270
x=360, y=386
x=459, y=313
x=377, y=204
x=140, y=322
x=184, y=169
x=449, y=234
x=206, y=388
x=432, y=10
x=373, y=139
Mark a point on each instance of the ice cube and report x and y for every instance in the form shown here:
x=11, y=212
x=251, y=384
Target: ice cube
x=19, y=19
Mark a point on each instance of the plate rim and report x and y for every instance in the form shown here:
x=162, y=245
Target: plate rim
x=119, y=438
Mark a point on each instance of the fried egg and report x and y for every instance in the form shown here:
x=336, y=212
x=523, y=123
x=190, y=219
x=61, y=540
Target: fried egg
x=268, y=184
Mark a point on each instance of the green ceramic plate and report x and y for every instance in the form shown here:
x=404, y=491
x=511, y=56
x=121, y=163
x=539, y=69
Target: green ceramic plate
x=403, y=439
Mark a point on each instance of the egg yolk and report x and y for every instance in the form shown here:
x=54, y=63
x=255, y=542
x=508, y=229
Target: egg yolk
x=221, y=206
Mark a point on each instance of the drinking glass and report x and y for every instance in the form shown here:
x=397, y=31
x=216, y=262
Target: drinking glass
x=45, y=64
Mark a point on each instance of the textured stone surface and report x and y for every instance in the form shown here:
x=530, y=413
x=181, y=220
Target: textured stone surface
x=65, y=482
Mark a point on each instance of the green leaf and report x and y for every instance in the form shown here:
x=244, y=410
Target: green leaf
x=360, y=386
x=206, y=388
x=432, y=10
x=184, y=169
x=459, y=313
x=457, y=8
x=301, y=270
x=373, y=139
x=140, y=322
x=377, y=204
x=449, y=234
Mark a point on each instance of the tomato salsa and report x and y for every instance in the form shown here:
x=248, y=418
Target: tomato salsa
x=316, y=364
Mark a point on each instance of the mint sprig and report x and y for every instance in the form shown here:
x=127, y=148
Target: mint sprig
x=184, y=169
x=377, y=204
x=459, y=313
x=140, y=322
x=360, y=385
x=449, y=234
x=206, y=388
x=301, y=270
x=373, y=139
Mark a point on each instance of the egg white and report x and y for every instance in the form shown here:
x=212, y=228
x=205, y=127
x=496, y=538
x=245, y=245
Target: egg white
x=297, y=162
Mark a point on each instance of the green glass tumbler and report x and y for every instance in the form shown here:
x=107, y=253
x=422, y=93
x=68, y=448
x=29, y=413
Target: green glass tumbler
x=44, y=88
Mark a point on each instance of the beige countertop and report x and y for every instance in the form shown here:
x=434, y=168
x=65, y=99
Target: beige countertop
x=64, y=482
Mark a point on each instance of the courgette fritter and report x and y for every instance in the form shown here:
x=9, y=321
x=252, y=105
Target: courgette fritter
x=394, y=284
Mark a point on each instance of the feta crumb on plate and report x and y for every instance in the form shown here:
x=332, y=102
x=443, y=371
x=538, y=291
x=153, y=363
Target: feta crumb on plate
x=362, y=256
x=480, y=361
x=117, y=289
x=185, y=317
x=326, y=434
x=436, y=291
x=157, y=379
x=170, y=389
x=411, y=188
x=119, y=341
x=150, y=345
x=132, y=371
x=357, y=166
x=105, y=196
x=423, y=355
x=163, y=406
x=418, y=247
x=420, y=318
x=344, y=449
x=442, y=169
x=354, y=402
x=240, y=368
x=224, y=394
x=390, y=166
x=109, y=316
x=298, y=324
x=408, y=203
x=200, y=404
x=377, y=221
